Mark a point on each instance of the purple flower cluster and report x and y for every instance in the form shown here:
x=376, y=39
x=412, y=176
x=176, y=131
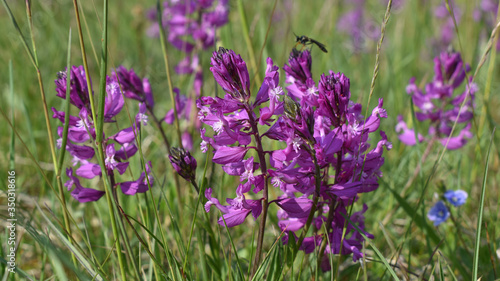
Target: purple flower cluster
x=324, y=161
x=118, y=148
x=359, y=26
x=439, y=213
x=191, y=27
x=440, y=105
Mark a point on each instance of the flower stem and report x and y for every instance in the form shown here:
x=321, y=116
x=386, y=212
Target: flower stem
x=265, y=204
x=317, y=180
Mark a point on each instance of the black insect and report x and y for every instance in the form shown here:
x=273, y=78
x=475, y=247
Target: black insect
x=304, y=40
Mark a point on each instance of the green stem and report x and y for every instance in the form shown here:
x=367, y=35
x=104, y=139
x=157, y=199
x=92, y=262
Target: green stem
x=99, y=135
x=246, y=35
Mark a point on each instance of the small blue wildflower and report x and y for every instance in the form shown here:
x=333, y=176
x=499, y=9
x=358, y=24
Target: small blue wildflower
x=456, y=197
x=438, y=213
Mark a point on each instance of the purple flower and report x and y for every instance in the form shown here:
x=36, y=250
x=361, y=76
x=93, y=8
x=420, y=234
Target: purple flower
x=238, y=209
x=438, y=213
x=79, y=92
x=456, y=197
x=80, y=193
x=439, y=105
x=133, y=87
x=321, y=148
x=119, y=148
x=140, y=185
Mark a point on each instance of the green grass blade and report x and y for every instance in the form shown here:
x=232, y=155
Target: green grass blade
x=480, y=212
x=82, y=259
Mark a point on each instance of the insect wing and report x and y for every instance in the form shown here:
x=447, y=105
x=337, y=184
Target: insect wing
x=321, y=46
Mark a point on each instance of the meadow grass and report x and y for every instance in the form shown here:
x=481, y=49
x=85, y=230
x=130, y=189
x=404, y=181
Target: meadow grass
x=165, y=233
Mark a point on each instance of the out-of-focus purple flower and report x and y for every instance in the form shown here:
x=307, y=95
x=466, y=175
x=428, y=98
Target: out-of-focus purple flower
x=183, y=163
x=456, y=197
x=183, y=106
x=438, y=213
x=445, y=21
x=440, y=106
x=359, y=26
x=191, y=23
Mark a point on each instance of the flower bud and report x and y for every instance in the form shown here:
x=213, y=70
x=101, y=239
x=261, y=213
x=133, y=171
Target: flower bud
x=231, y=73
x=183, y=163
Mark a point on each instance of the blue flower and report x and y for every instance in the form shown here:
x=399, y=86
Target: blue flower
x=438, y=213
x=456, y=197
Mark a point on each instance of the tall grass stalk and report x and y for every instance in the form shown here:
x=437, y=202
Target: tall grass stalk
x=480, y=212
x=64, y=141
x=99, y=125
x=163, y=42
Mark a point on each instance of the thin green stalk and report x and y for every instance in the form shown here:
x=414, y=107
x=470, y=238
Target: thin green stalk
x=144, y=244
x=12, y=157
x=198, y=203
x=270, y=20
x=42, y=90
x=99, y=137
x=480, y=212
x=63, y=145
x=246, y=35
x=387, y=16
x=163, y=42
x=192, y=225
